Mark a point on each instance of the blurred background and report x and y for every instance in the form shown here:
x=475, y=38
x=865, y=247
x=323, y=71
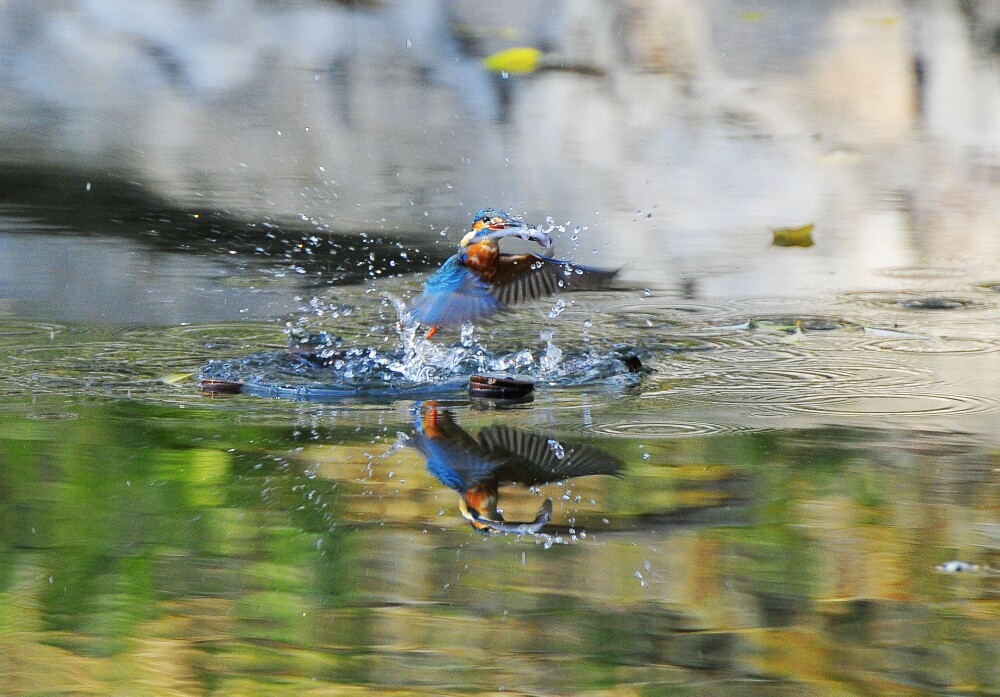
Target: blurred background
x=671, y=129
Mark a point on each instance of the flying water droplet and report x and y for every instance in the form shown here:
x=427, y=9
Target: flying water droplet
x=548, y=362
x=557, y=308
x=468, y=330
x=557, y=449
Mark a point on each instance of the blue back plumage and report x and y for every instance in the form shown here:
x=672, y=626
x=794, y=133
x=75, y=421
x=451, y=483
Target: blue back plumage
x=453, y=456
x=454, y=295
x=449, y=277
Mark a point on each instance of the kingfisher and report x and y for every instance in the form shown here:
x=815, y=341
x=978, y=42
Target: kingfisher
x=476, y=467
x=479, y=280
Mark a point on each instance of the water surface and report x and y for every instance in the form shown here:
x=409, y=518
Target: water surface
x=792, y=471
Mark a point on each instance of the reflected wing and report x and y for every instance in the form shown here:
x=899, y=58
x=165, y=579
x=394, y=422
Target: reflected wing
x=454, y=457
x=522, y=277
x=453, y=295
x=535, y=459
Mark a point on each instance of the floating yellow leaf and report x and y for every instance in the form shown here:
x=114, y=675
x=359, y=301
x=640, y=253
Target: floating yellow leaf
x=752, y=16
x=175, y=378
x=514, y=61
x=794, y=236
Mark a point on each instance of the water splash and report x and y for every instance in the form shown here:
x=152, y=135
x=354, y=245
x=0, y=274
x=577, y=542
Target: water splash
x=556, y=448
x=320, y=366
x=548, y=362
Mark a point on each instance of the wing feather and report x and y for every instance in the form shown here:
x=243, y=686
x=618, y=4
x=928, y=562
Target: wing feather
x=536, y=459
x=523, y=277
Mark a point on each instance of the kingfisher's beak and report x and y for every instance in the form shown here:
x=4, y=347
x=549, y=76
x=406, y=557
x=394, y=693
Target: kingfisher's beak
x=499, y=223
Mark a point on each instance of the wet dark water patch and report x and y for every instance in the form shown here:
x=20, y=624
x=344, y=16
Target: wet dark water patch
x=917, y=301
x=936, y=302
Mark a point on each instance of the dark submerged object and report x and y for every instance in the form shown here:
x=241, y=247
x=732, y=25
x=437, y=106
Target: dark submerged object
x=934, y=303
x=221, y=387
x=500, y=388
x=476, y=467
x=480, y=281
x=632, y=361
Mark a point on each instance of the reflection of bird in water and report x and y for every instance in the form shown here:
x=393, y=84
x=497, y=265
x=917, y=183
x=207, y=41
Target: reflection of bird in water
x=477, y=467
x=479, y=281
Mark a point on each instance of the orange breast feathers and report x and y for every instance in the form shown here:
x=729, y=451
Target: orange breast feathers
x=482, y=257
x=429, y=423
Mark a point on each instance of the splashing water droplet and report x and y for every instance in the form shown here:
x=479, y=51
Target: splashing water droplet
x=557, y=449
x=557, y=309
x=468, y=330
x=548, y=362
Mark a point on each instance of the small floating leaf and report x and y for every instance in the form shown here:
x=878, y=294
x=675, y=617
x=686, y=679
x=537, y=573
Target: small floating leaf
x=175, y=378
x=793, y=236
x=514, y=61
x=775, y=326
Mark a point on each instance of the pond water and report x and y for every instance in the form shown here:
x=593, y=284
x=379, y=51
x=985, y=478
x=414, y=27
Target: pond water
x=795, y=495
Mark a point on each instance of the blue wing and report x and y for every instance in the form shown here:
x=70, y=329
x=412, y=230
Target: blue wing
x=454, y=457
x=499, y=452
x=453, y=295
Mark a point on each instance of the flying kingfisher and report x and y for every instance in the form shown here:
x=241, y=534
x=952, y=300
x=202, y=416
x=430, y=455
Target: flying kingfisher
x=477, y=467
x=480, y=281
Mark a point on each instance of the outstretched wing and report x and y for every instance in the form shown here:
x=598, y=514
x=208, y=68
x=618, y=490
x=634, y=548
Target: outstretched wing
x=534, y=459
x=453, y=456
x=521, y=277
x=453, y=295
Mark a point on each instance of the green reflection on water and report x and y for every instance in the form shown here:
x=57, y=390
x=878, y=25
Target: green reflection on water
x=149, y=548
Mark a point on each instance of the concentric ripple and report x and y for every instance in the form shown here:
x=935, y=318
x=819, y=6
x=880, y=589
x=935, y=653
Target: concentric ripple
x=666, y=429
x=933, y=345
x=924, y=272
x=914, y=404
